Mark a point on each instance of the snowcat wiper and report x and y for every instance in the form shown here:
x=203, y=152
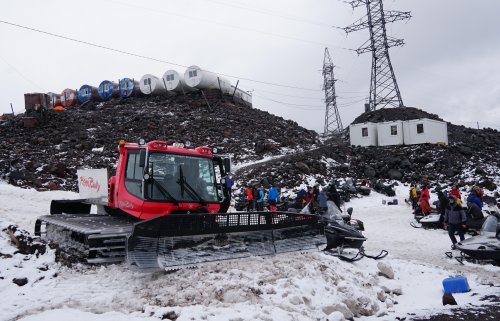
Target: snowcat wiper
x=164, y=191
x=191, y=191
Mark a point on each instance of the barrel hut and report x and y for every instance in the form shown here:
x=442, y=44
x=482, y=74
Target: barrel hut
x=55, y=99
x=241, y=95
x=107, y=90
x=151, y=85
x=68, y=97
x=175, y=82
x=87, y=93
x=128, y=87
x=195, y=77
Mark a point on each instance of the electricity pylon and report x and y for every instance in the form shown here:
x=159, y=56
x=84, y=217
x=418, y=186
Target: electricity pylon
x=333, y=124
x=384, y=90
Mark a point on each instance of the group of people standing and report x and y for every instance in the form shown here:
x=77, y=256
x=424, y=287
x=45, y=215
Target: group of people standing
x=450, y=206
x=255, y=196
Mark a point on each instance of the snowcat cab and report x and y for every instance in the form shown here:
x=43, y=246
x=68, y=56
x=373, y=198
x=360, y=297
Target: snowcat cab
x=165, y=209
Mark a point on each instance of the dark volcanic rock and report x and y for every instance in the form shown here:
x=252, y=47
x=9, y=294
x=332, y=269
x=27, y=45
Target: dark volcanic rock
x=20, y=281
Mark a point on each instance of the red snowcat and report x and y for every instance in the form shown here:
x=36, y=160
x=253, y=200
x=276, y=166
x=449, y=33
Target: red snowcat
x=164, y=209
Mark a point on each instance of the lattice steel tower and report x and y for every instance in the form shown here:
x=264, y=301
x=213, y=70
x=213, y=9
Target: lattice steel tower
x=384, y=90
x=333, y=124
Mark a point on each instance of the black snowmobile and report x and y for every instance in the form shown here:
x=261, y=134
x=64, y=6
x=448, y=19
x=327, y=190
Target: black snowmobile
x=434, y=220
x=342, y=232
x=486, y=245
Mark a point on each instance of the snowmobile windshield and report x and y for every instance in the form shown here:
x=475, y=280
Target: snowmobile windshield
x=333, y=212
x=182, y=178
x=490, y=226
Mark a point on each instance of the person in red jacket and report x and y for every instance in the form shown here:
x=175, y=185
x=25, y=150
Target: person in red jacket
x=424, y=200
x=455, y=192
x=250, y=204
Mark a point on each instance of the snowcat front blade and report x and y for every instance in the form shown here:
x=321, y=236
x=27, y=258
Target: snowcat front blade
x=179, y=240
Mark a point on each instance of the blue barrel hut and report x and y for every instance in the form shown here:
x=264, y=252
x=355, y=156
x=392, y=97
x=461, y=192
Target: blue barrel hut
x=87, y=93
x=107, y=90
x=129, y=88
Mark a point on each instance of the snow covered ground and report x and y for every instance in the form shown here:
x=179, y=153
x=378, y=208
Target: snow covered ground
x=298, y=286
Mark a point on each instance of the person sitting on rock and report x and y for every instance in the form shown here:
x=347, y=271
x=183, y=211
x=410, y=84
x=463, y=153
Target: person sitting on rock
x=455, y=220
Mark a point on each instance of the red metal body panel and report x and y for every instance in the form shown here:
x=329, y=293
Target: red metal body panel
x=68, y=97
x=120, y=198
x=55, y=99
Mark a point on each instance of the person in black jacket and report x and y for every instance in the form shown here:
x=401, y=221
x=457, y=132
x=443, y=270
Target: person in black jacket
x=455, y=220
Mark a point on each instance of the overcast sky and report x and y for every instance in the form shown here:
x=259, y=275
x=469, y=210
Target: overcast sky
x=450, y=64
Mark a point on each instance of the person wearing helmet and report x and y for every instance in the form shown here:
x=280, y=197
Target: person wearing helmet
x=455, y=220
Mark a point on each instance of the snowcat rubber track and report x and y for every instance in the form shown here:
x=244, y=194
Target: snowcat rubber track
x=97, y=238
x=174, y=241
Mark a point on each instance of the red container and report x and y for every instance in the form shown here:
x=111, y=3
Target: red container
x=69, y=97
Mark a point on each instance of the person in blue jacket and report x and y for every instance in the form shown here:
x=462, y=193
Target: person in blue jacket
x=475, y=196
x=229, y=185
x=259, y=202
x=272, y=198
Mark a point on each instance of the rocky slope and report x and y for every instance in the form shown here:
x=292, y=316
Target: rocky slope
x=47, y=156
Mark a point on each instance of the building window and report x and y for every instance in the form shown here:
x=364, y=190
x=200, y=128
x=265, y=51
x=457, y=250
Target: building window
x=394, y=130
x=364, y=131
x=420, y=128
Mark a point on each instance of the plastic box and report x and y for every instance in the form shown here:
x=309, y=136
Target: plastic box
x=457, y=284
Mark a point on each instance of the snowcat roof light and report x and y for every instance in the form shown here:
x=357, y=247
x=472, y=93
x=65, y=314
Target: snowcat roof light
x=121, y=143
x=178, y=145
x=142, y=141
x=214, y=150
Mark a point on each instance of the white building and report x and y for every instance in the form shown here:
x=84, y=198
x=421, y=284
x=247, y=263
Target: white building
x=390, y=133
x=398, y=132
x=424, y=130
x=364, y=134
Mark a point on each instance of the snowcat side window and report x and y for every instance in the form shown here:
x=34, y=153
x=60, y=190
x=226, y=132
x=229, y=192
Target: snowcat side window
x=420, y=128
x=133, y=174
x=364, y=131
x=394, y=130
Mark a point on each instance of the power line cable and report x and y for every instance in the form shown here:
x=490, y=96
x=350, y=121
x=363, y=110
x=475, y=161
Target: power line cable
x=22, y=75
x=147, y=57
x=276, y=14
x=291, y=105
x=156, y=10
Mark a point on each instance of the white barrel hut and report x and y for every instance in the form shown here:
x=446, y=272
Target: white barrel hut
x=195, y=77
x=175, y=82
x=151, y=85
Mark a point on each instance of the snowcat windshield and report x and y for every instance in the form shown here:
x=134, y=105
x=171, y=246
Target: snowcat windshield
x=181, y=178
